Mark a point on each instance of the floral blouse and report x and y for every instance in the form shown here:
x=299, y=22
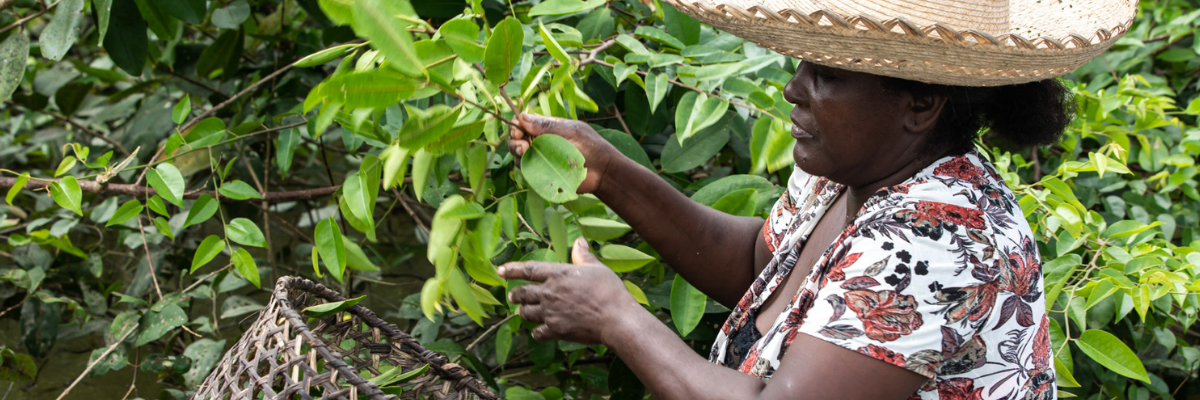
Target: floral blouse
x=938, y=275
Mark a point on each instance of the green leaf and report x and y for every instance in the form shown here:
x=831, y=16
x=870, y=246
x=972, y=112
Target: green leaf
x=740, y=202
x=232, y=15
x=243, y=262
x=126, y=42
x=369, y=89
x=507, y=209
x=459, y=210
x=696, y=152
x=694, y=114
x=18, y=184
x=208, y=132
x=687, y=305
x=553, y=168
x=14, y=52
x=602, y=230
x=633, y=45
x=155, y=324
x=327, y=309
x=285, y=146
x=623, y=258
x=460, y=290
x=379, y=22
x=67, y=194
x=1062, y=375
x=207, y=251
x=222, y=51
x=503, y=50
x=127, y=211
x=341, y=12
x=167, y=183
x=564, y=7
x=190, y=11
x=427, y=126
x=430, y=293
x=103, y=10
x=65, y=166
x=324, y=56
x=422, y=166
x=245, y=232
x=331, y=247
x=239, y=190
x=552, y=45
x=60, y=34
x=657, y=87
x=657, y=35
x=1107, y=350
x=357, y=193
x=460, y=34
x=156, y=204
x=163, y=227
x=636, y=292
x=356, y=259
x=182, y=110
x=202, y=209
x=770, y=146
x=556, y=227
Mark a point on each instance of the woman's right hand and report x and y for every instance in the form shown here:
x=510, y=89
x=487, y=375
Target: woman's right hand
x=598, y=153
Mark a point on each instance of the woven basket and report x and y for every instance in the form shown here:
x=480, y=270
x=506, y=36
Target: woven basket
x=282, y=356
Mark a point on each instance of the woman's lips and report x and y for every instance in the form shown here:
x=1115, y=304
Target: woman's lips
x=800, y=133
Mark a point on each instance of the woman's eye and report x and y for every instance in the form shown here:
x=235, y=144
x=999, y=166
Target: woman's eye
x=825, y=75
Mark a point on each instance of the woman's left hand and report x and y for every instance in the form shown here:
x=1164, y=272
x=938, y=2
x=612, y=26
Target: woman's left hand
x=574, y=302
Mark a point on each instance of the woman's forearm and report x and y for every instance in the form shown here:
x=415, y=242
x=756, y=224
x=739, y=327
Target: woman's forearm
x=714, y=251
x=669, y=368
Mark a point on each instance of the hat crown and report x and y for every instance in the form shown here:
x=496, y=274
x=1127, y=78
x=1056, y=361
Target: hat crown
x=990, y=16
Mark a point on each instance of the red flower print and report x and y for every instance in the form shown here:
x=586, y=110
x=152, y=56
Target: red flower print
x=883, y=354
x=961, y=168
x=972, y=303
x=959, y=389
x=886, y=315
x=1041, y=346
x=949, y=213
x=837, y=273
x=1022, y=271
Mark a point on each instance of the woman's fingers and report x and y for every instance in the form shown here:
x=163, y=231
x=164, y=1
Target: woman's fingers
x=531, y=312
x=542, y=333
x=535, y=271
x=527, y=294
x=537, y=125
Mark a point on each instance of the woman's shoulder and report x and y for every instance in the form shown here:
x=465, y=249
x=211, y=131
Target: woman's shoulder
x=955, y=192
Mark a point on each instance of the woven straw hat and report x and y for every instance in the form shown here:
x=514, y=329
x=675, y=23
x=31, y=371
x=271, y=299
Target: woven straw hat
x=950, y=42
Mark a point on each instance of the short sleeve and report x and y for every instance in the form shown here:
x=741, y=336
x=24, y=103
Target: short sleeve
x=896, y=291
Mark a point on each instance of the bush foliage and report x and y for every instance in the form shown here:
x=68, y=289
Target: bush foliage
x=164, y=161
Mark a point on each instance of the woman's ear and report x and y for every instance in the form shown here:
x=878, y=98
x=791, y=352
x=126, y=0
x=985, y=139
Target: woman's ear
x=924, y=112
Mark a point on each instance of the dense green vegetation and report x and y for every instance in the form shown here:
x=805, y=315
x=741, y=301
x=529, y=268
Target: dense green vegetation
x=165, y=160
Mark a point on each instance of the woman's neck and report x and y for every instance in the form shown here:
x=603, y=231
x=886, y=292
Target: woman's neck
x=857, y=195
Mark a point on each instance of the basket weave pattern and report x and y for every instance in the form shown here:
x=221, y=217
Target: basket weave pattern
x=897, y=47
x=282, y=356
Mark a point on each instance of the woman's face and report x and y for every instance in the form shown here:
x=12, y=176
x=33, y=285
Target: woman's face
x=848, y=128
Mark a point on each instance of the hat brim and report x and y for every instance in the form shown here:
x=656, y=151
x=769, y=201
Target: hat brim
x=894, y=47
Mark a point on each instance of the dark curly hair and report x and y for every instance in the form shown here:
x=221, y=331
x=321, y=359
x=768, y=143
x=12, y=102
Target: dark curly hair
x=1024, y=115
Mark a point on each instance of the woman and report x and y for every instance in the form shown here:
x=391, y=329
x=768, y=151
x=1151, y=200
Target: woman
x=897, y=264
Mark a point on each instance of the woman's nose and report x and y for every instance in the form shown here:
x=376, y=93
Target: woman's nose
x=795, y=91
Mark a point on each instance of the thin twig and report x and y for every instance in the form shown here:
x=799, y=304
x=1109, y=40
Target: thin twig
x=81, y=127
x=192, y=81
x=617, y=112
x=93, y=363
x=410, y=211
x=226, y=103
x=29, y=17
x=142, y=191
x=488, y=332
x=149, y=261
x=210, y=274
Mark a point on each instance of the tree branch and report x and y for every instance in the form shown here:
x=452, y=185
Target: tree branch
x=142, y=191
x=25, y=19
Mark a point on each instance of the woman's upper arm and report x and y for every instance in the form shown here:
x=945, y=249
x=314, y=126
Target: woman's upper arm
x=817, y=369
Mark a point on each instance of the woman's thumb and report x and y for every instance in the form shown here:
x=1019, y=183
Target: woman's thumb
x=581, y=254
